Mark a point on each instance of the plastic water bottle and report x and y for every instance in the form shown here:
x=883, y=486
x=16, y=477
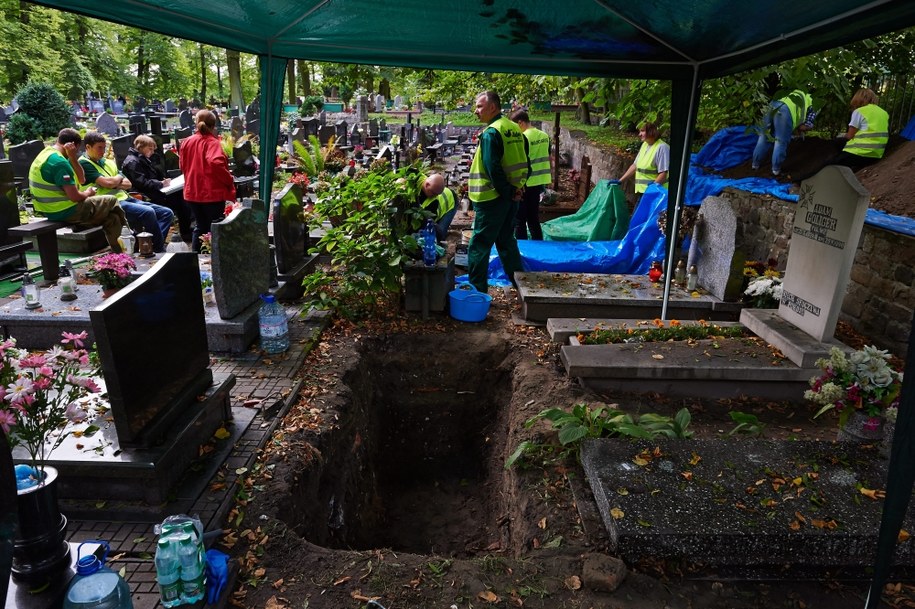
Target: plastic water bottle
x=95, y=585
x=273, y=328
x=168, y=573
x=428, y=234
x=193, y=586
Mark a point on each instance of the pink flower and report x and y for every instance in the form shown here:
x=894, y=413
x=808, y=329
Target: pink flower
x=33, y=361
x=872, y=424
x=7, y=420
x=77, y=339
x=42, y=383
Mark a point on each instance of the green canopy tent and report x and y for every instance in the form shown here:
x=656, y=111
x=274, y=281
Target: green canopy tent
x=685, y=42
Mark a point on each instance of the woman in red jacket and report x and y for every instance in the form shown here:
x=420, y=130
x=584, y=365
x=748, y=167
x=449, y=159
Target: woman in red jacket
x=207, y=181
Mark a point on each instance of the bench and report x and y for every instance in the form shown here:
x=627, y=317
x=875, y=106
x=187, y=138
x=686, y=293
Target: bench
x=45, y=234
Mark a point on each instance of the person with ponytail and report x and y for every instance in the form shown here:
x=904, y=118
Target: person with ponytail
x=208, y=185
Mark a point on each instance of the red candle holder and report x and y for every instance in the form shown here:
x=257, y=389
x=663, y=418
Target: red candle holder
x=655, y=272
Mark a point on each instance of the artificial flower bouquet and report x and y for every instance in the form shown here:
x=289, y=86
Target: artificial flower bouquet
x=113, y=271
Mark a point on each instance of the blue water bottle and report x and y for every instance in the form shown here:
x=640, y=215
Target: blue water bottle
x=95, y=585
x=274, y=330
x=428, y=234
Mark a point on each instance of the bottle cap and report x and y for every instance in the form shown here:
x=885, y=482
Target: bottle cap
x=268, y=298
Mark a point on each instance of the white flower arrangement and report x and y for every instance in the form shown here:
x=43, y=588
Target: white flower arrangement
x=764, y=292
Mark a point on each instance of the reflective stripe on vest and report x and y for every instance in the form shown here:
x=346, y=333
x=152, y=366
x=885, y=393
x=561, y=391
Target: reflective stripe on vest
x=47, y=198
x=798, y=113
x=514, y=163
x=645, y=170
x=538, y=151
x=445, y=203
x=871, y=142
x=118, y=193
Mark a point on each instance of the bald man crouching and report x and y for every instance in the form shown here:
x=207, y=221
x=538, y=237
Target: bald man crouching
x=440, y=200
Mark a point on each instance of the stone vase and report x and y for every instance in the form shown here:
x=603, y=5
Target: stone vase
x=862, y=429
x=40, y=550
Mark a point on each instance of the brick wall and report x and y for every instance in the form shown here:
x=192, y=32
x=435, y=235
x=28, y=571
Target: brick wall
x=881, y=293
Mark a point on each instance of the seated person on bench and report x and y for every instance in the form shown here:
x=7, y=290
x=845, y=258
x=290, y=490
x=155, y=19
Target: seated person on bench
x=152, y=218
x=53, y=181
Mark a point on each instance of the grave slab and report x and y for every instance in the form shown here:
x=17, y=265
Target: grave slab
x=546, y=295
x=797, y=345
x=743, y=503
x=561, y=329
x=827, y=226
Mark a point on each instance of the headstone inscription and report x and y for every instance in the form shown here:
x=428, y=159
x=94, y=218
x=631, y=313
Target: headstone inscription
x=149, y=388
x=106, y=124
x=827, y=226
x=241, y=259
x=121, y=146
x=186, y=119
x=722, y=252
x=290, y=235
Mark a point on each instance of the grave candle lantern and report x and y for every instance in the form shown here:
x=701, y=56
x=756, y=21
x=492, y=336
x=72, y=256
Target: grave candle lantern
x=30, y=292
x=145, y=244
x=655, y=272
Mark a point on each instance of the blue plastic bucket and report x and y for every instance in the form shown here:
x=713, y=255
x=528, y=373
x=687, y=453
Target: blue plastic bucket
x=468, y=304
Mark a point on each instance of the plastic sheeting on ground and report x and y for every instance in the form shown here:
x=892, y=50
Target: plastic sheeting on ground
x=630, y=255
x=909, y=131
x=604, y=216
x=730, y=147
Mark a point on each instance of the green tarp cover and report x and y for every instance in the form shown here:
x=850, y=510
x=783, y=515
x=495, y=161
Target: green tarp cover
x=604, y=216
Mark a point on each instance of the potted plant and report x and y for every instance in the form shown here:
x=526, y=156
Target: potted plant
x=38, y=391
x=113, y=271
x=765, y=291
x=861, y=387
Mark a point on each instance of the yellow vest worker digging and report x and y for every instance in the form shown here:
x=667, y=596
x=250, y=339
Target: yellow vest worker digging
x=538, y=150
x=514, y=162
x=870, y=142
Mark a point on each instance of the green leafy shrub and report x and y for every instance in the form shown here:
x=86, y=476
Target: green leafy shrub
x=602, y=422
x=22, y=128
x=45, y=106
x=311, y=105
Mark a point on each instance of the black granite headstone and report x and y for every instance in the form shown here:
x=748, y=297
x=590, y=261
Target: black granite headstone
x=155, y=125
x=373, y=127
x=245, y=163
x=340, y=133
x=139, y=104
x=137, y=123
x=121, y=146
x=310, y=125
x=22, y=155
x=171, y=162
x=290, y=235
x=252, y=127
x=152, y=341
x=9, y=205
x=186, y=119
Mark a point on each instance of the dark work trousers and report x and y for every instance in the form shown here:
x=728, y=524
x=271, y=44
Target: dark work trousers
x=205, y=214
x=528, y=218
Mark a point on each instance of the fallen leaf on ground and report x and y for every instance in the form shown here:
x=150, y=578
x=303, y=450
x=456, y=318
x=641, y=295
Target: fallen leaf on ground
x=273, y=603
x=489, y=596
x=873, y=494
x=573, y=582
x=542, y=523
x=617, y=513
x=342, y=580
x=903, y=536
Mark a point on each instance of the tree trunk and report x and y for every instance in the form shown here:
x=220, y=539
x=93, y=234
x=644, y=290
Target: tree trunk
x=584, y=112
x=236, y=96
x=142, y=71
x=203, y=73
x=304, y=69
x=290, y=79
x=384, y=87
x=222, y=93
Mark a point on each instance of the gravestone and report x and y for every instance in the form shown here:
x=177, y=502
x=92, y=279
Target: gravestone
x=362, y=109
x=233, y=111
x=827, y=226
x=325, y=133
x=310, y=125
x=170, y=105
x=155, y=125
x=322, y=118
x=252, y=127
x=398, y=102
x=117, y=106
x=253, y=111
x=75, y=109
x=121, y=146
x=340, y=133
x=96, y=106
x=137, y=124
x=241, y=260
x=237, y=128
x=298, y=135
x=22, y=155
x=290, y=234
x=170, y=158
x=9, y=205
x=722, y=250
x=373, y=127
x=245, y=161
x=386, y=152
x=106, y=124
x=186, y=119
x=165, y=303
x=379, y=103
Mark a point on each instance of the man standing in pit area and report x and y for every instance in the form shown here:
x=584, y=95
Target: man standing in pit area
x=54, y=179
x=538, y=151
x=497, y=176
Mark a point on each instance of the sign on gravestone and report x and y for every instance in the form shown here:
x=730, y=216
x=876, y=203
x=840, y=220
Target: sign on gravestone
x=148, y=388
x=721, y=248
x=106, y=124
x=827, y=225
x=241, y=261
x=290, y=235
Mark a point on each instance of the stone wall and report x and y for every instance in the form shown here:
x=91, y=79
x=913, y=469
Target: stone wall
x=881, y=293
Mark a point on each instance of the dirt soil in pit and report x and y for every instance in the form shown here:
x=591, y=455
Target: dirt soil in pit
x=890, y=181
x=533, y=548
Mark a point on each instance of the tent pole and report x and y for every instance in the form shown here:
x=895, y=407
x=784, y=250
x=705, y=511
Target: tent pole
x=684, y=109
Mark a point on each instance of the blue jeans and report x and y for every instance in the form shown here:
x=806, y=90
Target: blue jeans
x=442, y=226
x=149, y=217
x=778, y=122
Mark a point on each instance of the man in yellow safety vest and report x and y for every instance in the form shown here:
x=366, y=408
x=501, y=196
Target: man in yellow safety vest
x=538, y=151
x=651, y=163
x=440, y=200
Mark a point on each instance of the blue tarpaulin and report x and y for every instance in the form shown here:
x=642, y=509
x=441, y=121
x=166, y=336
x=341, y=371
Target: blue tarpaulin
x=909, y=131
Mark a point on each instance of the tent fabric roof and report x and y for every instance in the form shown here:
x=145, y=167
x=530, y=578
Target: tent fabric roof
x=659, y=39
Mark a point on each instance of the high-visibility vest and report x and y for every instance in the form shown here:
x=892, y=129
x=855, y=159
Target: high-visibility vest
x=871, y=142
x=538, y=150
x=514, y=162
x=445, y=203
x=47, y=198
x=798, y=112
x=645, y=170
x=119, y=193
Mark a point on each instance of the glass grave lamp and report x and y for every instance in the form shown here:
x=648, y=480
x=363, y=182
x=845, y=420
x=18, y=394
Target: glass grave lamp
x=31, y=294
x=67, y=285
x=145, y=244
x=126, y=240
